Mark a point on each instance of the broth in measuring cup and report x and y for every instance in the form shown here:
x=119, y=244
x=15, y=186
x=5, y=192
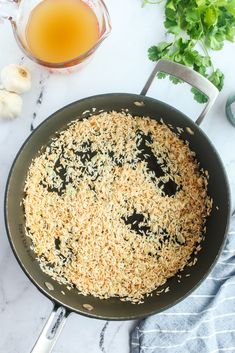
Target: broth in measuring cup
x=60, y=30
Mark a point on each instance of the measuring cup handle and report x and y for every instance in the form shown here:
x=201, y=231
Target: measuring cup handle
x=188, y=75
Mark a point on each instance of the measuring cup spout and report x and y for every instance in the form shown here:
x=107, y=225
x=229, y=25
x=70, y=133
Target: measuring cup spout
x=8, y=9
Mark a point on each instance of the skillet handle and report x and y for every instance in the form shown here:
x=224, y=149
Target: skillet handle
x=188, y=75
x=51, y=330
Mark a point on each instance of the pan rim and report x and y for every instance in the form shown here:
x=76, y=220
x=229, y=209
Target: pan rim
x=84, y=313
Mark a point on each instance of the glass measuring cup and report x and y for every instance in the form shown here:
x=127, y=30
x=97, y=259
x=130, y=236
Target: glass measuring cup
x=18, y=13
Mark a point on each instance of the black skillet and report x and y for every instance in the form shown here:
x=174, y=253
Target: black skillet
x=217, y=223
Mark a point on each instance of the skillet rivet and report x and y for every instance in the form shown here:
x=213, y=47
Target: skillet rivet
x=88, y=307
x=49, y=286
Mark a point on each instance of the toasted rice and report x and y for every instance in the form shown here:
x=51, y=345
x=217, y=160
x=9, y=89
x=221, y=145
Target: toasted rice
x=77, y=225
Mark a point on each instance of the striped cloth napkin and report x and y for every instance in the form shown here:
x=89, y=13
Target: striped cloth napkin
x=202, y=323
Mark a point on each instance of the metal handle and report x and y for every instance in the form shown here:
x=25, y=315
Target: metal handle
x=187, y=75
x=51, y=330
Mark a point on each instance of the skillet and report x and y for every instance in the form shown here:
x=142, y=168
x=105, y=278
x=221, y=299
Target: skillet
x=67, y=301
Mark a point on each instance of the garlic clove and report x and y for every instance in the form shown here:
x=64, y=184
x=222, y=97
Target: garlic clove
x=10, y=105
x=16, y=78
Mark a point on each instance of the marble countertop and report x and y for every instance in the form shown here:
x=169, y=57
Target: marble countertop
x=120, y=65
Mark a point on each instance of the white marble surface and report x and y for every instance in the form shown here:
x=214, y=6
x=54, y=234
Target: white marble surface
x=120, y=65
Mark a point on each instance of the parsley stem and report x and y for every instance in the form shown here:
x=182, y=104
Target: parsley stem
x=151, y=2
x=207, y=54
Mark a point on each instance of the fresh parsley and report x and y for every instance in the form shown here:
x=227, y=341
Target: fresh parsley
x=196, y=26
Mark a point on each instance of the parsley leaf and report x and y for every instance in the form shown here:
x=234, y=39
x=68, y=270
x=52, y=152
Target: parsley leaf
x=198, y=95
x=196, y=27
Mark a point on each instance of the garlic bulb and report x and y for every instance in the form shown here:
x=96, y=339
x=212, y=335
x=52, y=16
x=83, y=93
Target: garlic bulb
x=16, y=78
x=10, y=104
